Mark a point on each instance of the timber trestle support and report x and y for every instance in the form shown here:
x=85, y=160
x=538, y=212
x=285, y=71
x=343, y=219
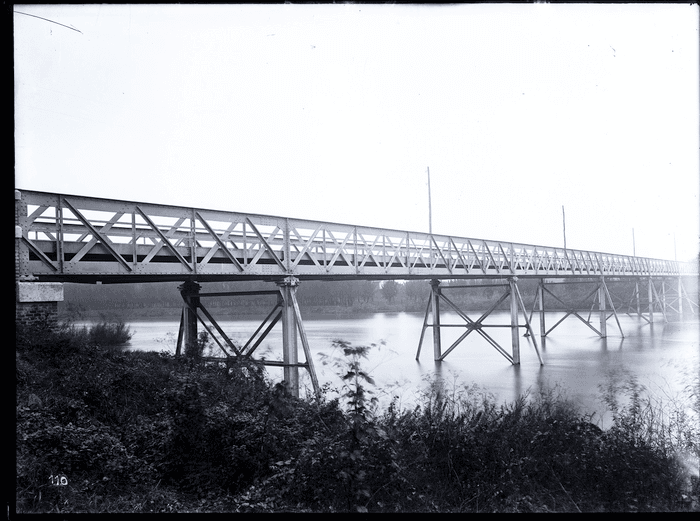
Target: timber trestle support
x=511, y=292
x=286, y=309
x=602, y=303
x=663, y=295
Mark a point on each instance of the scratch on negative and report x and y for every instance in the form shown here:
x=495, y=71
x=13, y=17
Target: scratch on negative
x=57, y=23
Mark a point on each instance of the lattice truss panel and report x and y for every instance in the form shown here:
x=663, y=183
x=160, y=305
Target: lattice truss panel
x=74, y=235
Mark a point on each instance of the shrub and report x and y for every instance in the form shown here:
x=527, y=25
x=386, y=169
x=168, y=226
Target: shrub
x=90, y=455
x=110, y=334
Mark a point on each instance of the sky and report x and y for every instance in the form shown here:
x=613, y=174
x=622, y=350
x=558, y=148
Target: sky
x=525, y=115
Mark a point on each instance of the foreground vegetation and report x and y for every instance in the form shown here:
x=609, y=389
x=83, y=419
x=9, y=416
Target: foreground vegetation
x=103, y=430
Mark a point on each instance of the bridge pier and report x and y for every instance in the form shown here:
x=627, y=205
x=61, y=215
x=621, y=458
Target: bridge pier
x=290, y=355
x=435, y=304
x=657, y=300
x=540, y=297
x=286, y=309
x=601, y=296
x=663, y=295
x=36, y=304
x=636, y=296
x=514, y=333
x=516, y=306
x=187, y=335
x=601, y=307
x=677, y=296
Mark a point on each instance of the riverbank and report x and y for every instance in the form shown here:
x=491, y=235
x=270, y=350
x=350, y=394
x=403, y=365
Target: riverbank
x=103, y=430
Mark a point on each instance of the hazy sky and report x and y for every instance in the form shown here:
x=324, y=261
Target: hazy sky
x=335, y=112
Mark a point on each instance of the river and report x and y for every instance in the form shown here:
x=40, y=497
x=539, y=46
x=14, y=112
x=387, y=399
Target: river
x=663, y=357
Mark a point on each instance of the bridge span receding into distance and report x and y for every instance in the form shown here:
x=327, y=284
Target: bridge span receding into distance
x=63, y=238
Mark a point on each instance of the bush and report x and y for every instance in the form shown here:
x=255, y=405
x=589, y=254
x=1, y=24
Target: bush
x=110, y=334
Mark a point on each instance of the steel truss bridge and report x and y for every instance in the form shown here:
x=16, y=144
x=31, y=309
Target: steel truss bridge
x=70, y=238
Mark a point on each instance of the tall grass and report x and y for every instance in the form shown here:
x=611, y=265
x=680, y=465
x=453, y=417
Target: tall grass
x=668, y=424
x=103, y=333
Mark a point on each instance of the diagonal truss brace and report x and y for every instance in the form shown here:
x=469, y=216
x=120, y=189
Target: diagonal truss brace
x=165, y=240
x=36, y=251
x=219, y=242
x=98, y=235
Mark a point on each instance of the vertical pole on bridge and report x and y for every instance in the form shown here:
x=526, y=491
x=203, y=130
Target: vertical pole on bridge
x=514, y=327
x=188, y=325
x=290, y=355
x=435, y=306
x=680, y=297
x=651, y=300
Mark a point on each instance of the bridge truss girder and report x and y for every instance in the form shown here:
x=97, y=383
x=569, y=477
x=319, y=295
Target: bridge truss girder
x=70, y=238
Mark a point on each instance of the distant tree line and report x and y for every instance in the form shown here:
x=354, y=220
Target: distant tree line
x=358, y=295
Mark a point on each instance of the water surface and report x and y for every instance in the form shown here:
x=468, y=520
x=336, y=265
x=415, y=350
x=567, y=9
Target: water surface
x=664, y=357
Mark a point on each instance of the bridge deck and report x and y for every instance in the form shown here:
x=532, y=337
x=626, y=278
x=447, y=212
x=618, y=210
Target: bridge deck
x=72, y=238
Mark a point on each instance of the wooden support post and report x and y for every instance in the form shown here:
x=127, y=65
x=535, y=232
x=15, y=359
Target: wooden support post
x=540, y=295
x=651, y=300
x=180, y=331
x=435, y=305
x=601, y=308
x=425, y=325
x=515, y=334
x=290, y=356
x=663, y=295
x=636, y=294
x=190, y=294
x=680, y=297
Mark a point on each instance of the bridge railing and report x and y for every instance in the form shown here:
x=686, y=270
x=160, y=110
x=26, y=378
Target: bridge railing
x=66, y=237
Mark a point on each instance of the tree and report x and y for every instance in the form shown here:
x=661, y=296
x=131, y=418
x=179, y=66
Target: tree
x=416, y=290
x=366, y=290
x=390, y=289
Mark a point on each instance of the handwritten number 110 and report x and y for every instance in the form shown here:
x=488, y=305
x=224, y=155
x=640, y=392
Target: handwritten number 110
x=58, y=480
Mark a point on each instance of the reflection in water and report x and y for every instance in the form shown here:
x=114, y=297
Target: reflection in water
x=662, y=357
